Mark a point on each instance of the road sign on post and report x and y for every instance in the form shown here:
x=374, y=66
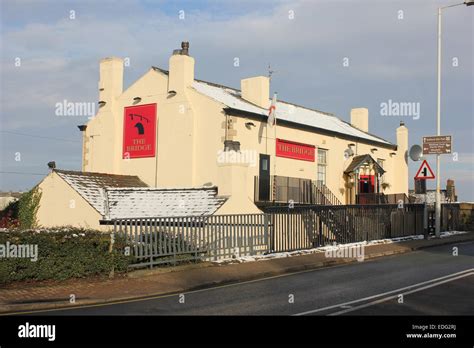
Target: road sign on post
x=424, y=172
x=437, y=145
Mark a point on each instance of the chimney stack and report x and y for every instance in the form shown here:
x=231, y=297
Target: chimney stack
x=360, y=119
x=181, y=69
x=401, y=162
x=111, y=79
x=256, y=90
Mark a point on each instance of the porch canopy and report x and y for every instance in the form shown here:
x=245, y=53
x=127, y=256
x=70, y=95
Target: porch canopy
x=364, y=161
x=365, y=173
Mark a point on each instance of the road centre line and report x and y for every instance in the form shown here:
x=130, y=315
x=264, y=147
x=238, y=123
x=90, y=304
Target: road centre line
x=384, y=293
x=405, y=293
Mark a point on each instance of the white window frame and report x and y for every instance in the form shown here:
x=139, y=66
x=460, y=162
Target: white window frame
x=322, y=166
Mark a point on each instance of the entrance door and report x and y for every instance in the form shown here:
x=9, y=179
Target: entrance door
x=366, y=190
x=366, y=184
x=264, y=178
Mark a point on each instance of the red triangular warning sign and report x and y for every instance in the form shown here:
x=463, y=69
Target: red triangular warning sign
x=424, y=172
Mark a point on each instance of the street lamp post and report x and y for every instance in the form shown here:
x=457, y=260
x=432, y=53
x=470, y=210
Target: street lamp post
x=438, y=120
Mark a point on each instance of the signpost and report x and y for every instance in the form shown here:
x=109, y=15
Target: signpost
x=424, y=172
x=437, y=145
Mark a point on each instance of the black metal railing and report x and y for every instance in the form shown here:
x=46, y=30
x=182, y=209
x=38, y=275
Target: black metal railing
x=454, y=217
x=327, y=195
x=169, y=240
x=304, y=227
x=285, y=189
x=381, y=198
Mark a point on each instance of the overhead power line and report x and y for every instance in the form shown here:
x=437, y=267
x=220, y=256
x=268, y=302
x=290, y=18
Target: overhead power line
x=23, y=173
x=40, y=136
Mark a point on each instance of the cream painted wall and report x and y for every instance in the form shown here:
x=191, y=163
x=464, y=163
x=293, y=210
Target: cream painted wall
x=231, y=181
x=191, y=129
x=262, y=139
x=61, y=205
x=175, y=130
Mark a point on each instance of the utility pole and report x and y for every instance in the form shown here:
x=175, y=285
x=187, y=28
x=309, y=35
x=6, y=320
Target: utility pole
x=438, y=132
x=438, y=120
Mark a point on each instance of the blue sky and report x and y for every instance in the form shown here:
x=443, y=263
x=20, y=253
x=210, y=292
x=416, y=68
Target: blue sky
x=390, y=58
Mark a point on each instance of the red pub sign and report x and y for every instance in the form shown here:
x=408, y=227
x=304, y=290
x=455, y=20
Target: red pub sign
x=291, y=149
x=139, y=131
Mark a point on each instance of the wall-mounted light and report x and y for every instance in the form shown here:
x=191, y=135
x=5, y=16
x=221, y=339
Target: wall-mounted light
x=102, y=103
x=82, y=127
x=348, y=153
x=392, y=154
x=373, y=149
x=136, y=100
x=249, y=124
x=351, y=144
x=171, y=93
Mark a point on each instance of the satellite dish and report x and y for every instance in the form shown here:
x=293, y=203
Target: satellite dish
x=348, y=153
x=416, y=152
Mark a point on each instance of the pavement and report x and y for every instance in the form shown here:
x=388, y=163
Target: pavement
x=265, y=287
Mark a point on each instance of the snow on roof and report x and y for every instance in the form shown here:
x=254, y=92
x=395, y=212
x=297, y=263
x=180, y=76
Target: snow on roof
x=127, y=203
x=90, y=185
x=284, y=111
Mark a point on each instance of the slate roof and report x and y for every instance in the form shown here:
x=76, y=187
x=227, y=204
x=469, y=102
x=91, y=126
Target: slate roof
x=90, y=185
x=360, y=160
x=127, y=203
x=232, y=98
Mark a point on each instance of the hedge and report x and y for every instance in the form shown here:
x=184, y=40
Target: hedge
x=63, y=253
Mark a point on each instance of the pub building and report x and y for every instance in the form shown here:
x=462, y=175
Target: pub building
x=160, y=142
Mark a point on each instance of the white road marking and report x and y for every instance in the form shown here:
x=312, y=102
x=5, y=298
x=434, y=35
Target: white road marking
x=384, y=293
x=405, y=293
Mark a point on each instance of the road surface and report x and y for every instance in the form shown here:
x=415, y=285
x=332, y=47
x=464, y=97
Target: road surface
x=431, y=281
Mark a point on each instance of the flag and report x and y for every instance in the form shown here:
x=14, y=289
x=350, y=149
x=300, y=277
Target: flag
x=272, y=111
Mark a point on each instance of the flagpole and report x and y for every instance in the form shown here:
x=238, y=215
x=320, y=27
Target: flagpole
x=271, y=122
x=275, y=136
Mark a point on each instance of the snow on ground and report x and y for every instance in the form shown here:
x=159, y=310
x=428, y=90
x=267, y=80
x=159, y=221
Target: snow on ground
x=326, y=248
x=450, y=233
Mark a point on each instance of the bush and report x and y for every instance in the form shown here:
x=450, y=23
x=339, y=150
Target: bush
x=63, y=253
